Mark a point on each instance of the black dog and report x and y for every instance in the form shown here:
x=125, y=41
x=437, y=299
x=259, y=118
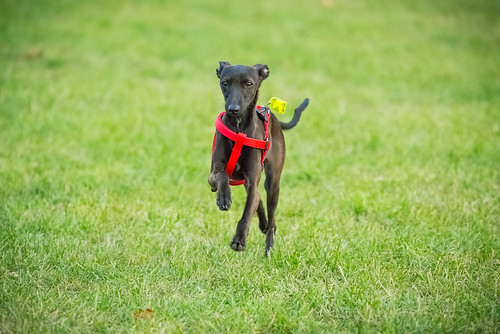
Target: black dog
x=240, y=87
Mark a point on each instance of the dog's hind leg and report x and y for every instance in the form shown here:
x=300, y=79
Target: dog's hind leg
x=262, y=217
x=272, y=186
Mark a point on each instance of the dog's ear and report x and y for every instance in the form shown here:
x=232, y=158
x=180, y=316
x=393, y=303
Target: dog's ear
x=222, y=65
x=263, y=70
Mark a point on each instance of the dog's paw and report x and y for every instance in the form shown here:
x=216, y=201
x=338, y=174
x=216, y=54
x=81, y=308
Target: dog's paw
x=238, y=244
x=266, y=253
x=224, y=199
x=269, y=241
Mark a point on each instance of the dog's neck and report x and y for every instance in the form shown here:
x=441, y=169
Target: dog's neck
x=245, y=123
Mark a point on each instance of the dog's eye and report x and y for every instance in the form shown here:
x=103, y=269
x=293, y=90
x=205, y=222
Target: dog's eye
x=249, y=83
x=223, y=83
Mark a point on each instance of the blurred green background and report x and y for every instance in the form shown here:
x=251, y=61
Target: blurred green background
x=390, y=200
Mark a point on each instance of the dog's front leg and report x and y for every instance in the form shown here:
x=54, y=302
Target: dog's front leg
x=253, y=198
x=219, y=181
x=223, y=192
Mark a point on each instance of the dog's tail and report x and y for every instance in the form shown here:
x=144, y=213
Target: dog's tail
x=296, y=116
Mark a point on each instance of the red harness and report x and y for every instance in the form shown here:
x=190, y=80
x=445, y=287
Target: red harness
x=240, y=139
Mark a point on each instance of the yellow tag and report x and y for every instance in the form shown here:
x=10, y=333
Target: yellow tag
x=277, y=104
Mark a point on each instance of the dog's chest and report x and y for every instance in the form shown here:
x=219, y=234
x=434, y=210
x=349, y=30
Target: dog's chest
x=238, y=172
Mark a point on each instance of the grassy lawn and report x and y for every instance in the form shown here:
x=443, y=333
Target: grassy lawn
x=389, y=212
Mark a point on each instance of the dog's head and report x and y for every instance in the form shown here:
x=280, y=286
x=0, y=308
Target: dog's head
x=240, y=86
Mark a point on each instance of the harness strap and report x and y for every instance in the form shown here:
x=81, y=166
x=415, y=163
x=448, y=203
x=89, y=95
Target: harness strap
x=229, y=134
x=235, y=154
x=240, y=139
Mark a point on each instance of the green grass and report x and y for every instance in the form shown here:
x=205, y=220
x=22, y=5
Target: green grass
x=389, y=212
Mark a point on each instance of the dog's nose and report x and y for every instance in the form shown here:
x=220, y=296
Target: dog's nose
x=233, y=108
